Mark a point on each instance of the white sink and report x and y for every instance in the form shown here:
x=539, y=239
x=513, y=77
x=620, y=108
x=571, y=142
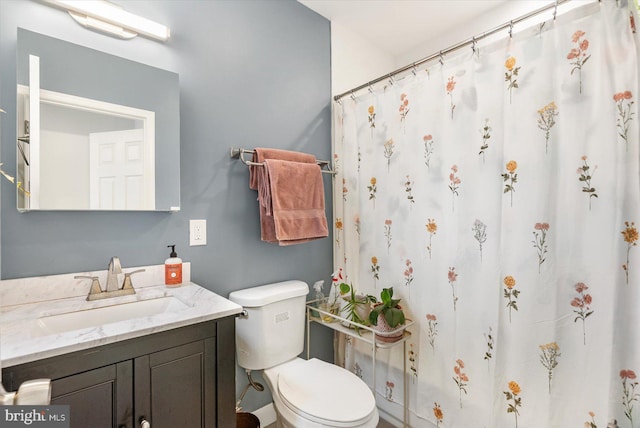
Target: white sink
x=76, y=320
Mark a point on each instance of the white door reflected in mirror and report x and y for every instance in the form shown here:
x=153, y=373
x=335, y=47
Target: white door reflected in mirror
x=120, y=173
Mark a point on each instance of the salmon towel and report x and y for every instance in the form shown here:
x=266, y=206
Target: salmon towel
x=297, y=201
x=290, y=195
x=256, y=172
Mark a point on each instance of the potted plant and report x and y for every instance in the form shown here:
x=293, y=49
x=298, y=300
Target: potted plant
x=388, y=317
x=356, y=307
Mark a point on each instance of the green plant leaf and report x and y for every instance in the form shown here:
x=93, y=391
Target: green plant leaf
x=394, y=317
x=373, y=315
x=386, y=295
x=344, y=288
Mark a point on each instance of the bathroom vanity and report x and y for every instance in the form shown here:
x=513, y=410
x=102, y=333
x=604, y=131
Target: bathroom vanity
x=171, y=363
x=182, y=377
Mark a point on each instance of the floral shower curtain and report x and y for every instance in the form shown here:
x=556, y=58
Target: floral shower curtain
x=498, y=193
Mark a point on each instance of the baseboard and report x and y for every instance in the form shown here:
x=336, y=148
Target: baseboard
x=266, y=414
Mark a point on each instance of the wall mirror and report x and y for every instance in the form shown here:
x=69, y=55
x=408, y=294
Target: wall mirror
x=95, y=131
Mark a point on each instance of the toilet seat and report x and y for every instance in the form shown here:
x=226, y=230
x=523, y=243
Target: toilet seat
x=325, y=393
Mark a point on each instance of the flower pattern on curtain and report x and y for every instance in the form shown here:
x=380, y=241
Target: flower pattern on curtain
x=498, y=192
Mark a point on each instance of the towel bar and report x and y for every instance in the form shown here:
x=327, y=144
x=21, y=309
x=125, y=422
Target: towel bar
x=235, y=153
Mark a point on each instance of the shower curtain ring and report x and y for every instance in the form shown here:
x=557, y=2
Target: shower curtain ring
x=413, y=69
x=353, y=97
x=473, y=44
x=441, y=58
x=510, y=29
x=555, y=10
x=370, y=89
x=540, y=29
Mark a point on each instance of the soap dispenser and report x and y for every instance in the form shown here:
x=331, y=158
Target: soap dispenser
x=173, y=268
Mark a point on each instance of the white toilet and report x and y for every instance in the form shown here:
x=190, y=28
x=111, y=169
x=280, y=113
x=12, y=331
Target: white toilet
x=306, y=393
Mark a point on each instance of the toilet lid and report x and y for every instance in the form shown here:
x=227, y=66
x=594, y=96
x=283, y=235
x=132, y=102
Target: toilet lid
x=322, y=392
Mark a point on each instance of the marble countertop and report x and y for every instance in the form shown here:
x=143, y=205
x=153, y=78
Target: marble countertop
x=22, y=338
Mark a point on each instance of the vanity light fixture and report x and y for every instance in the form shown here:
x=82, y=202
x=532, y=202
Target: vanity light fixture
x=108, y=17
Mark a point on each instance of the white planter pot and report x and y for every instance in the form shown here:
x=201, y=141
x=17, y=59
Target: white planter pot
x=362, y=310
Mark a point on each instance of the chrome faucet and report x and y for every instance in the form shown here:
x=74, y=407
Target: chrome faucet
x=115, y=277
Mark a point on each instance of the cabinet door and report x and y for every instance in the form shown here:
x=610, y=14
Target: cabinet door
x=172, y=387
x=99, y=398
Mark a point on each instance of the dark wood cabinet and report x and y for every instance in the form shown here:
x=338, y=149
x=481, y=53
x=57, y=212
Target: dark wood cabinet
x=160, y=390
x=108, y=388
x=178, y=378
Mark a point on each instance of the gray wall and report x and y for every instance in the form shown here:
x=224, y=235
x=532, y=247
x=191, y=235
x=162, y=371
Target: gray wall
x=252, y=74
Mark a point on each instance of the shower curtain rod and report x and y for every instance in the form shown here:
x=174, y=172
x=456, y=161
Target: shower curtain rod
x=472, y=41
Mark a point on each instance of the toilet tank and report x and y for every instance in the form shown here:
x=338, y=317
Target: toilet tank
x=272, y=332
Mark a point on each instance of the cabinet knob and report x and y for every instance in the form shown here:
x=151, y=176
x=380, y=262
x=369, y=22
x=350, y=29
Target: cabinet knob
x=144, y=423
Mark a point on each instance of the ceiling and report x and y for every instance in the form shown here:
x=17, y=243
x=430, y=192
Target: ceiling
x=397, y=26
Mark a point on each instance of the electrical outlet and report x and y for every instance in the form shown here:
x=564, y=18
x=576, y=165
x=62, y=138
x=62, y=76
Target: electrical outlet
x=197, y=232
